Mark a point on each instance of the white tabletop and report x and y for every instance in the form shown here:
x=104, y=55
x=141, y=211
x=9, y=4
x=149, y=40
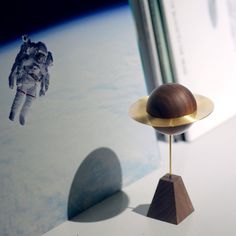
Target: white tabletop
x=207, y=167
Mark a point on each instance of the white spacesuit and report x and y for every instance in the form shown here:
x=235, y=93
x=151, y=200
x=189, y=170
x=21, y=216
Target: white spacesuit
x=30, y=69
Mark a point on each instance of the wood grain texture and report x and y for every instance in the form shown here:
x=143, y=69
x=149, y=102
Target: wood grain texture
x=171, y=202
x=171, y=101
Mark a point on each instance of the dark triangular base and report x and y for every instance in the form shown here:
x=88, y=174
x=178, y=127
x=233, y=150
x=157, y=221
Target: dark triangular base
x=171, y=202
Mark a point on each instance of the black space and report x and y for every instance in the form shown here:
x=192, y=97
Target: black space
x=25, y=16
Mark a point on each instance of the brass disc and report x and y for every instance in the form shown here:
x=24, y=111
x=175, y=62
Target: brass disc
x=138, y=112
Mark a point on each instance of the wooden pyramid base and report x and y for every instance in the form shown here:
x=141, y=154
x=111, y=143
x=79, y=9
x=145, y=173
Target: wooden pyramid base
x=171, y=202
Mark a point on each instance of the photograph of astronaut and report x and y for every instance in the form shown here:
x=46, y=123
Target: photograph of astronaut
x=81, y=121
x=29, y=70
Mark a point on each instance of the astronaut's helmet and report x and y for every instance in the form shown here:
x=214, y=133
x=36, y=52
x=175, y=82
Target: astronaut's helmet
x=42, y=52
x=41, y=47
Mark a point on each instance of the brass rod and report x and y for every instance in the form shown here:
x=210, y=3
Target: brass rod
x=170, y=154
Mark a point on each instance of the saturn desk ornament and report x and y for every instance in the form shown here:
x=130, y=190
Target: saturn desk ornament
x=171, y=109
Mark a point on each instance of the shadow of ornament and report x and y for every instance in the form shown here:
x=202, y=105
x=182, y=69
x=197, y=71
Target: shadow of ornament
x=98, y=177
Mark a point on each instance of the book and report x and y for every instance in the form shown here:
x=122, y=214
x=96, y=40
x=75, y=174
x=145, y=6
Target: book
x=202, y=42
x=160, y=34
x=147, y=47
x=146, y=43
x=153, y=47
x=198, y=40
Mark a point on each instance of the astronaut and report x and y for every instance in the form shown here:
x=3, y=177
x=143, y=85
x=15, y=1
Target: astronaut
x=29, y=70
x=27, y=48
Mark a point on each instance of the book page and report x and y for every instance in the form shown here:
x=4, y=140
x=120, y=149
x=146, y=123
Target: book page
x=202, y=37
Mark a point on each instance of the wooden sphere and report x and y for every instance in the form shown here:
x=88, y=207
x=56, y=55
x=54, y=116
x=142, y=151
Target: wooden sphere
x=171, y=101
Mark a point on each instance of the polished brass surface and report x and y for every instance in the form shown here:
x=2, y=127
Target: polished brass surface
x=170, y=154
x=138, y=112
